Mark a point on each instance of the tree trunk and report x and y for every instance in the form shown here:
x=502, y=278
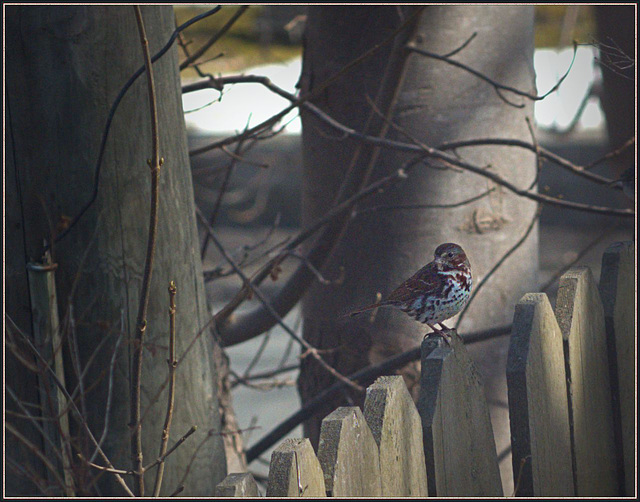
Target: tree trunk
x=65, y=66
x=616, y=29
x=437, y=103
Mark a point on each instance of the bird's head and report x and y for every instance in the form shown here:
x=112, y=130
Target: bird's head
x=451, y=255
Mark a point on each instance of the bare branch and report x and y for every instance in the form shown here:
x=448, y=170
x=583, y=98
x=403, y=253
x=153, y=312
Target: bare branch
x=254, y=290
x=162, y=458
x=219, y=83
x=36, y=451
x=615, y=153
x=205, y=47
x=107, y=411
x=112, y=112
x=413, y=47
x=173, y=363
x=364, y=377
x=422, y=206
x=223, y=189
x=317, y=90
x=74, y=408
x=499, y=263
x=141, y=320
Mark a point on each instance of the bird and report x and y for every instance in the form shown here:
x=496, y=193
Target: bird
x=436, y=292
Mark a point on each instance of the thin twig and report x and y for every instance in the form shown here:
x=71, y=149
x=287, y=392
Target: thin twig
x=141, y=320
x=223, y=189
x=173, y=363
x=337, y=211
x=265, y=374
x=398, y=145
x=580, y=255
x=27, y=472
x=72, y=340
x=499, y=263
x=374, y=209
x=312, y=350
x=177, y=491
x=121, y=472
x=364, y=377
x=162, y=458
x=318, y=90
x=34, y=421
x=536, y=147
x=258, y=354
x=112, y=112
x=412, y=47
x=81, y=419
x=205, y=47
x=618, y=151
x=107, y=411
x=36, y=451
x=463, y=46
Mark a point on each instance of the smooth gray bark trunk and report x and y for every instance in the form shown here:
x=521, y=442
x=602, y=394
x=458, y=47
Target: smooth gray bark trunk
x=65, y=66
x=437, y=103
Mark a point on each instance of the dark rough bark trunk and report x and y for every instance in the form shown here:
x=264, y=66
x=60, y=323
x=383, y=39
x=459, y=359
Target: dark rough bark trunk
x=437, y=103
x=616, y=28
x=65, y=65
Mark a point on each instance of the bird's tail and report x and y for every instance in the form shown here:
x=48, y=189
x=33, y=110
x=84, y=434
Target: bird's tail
x=366, y=309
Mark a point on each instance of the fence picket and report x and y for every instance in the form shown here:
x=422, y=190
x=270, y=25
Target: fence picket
x=581, y=320
x=237, y=485
x=295, y=471
x=570, y=380
x=537, y=390
x=618, y=299
x=395, y=424
x=460, y=450
x=348, y=455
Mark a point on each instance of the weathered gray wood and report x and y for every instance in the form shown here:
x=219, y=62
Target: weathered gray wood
x=239, y=484
x=581, y=320
x=538, y=408
x=348, y=455
x=65, y=66
x=295, y=471
x=459, y=446
x=617, y=293
x=395, y=424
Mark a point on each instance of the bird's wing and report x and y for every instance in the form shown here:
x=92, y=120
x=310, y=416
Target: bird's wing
x=424, y=281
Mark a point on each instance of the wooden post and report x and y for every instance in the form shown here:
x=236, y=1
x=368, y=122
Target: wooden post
x=295, y=471
x=618, y=299
x=538, y=408
x=460, y=450
x=237, y=485
x=397, y=430
x=348, y=455
x=581, y=320
x=46, y=331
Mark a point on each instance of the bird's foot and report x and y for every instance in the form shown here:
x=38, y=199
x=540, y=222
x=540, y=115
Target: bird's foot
x=444, y=333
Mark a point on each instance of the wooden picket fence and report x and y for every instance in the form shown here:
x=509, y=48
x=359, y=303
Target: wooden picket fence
x=571, y=389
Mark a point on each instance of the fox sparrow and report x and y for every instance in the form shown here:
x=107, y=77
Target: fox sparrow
x=436, y=292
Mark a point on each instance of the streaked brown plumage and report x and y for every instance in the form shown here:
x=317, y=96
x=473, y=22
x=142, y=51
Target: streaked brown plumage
x=436, y=292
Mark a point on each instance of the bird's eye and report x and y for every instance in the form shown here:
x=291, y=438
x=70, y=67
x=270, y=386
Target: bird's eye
x=450, y=255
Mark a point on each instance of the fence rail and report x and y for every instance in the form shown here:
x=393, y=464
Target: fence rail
x=571, y=388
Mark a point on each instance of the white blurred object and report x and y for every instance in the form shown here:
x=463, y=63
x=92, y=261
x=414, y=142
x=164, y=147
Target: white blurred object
x=253, y=103
x=558, y=110
x=244, y=103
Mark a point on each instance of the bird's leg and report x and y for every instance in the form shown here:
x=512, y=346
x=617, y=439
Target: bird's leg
x=440, y=332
